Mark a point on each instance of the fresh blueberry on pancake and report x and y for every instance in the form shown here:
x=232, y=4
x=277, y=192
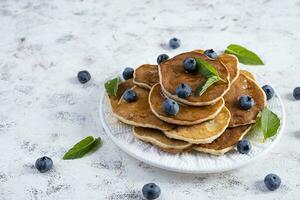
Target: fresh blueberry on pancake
x=161, y=58
x=243, y=146
x=128, y=73
x=211, y=53
x=246, y=102
x=130, y=96
x=190, y=65
x=269, y=91
x=183, y=90
x=174, y=43
x=296, y=93
x=170, y=107
x=272, y=181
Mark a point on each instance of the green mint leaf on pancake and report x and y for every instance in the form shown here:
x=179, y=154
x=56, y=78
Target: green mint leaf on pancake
x=205, y=68
x=204, y=86
x=87, y=145
x=244, y=55
x=269, y=123
x=111, y=86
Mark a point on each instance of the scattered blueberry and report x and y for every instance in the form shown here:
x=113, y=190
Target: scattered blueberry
x=44, y=164
x=151, y=191
x=296, y=93
x=161, y=58
x=83, y=76
x=190, y=65
x=246, y=102
x=243, y=146
x=170, y=107
x=174, y=43
x=130, y=96
x=183, y=90
x=211, y=53
x=269, y=91
x=128, y=73
x=272, y=181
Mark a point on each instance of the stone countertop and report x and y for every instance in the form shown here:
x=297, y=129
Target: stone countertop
x=45, y=110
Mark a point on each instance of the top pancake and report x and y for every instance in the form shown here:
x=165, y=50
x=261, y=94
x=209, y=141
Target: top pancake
x=136, y=113
x=146, y=76
x=171, y=74
x=187, y=115
x=244, y=86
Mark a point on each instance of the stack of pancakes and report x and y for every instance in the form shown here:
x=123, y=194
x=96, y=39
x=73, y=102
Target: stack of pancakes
x=211, y=123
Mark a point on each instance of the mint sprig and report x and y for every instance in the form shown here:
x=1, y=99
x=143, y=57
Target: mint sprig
x=111, y=86
x=204, y=86
x=87, y=145
x=244, y=55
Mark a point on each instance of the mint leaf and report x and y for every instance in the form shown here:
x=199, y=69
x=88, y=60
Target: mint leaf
x=204, y=86
x=244, y=55
x=82, y=148
x=111, y=86
x=269, y=123
x=205, y=68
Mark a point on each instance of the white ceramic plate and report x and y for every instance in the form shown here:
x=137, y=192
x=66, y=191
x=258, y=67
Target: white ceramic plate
x=189, y=162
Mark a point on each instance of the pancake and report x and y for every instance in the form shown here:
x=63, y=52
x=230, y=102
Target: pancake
x=158, y=139
x=244, y=86
x=146, y=76
x=138, y=113
x=202, y=133
x=187, y=115
x=225, y=142
x=231, y=63
x=248, y=74
x=171, y=74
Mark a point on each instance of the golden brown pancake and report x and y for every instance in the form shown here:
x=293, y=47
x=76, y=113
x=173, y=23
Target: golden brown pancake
x=225, y=142
x=158, y=139
x=202, y=133
x=138, y=113
x=146, y=76
x=231, y=63
x=244, y=86
x=187, y=115
x=248, y=74
x=171, y=74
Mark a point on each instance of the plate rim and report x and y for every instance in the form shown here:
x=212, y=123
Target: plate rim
x=123, y=147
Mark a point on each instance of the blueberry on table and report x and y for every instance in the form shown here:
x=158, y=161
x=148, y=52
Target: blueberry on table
x=170, y=107
x=44, y=164
x=190, y=65
x=174, y=43
x=269, y=91
x=272, y=181
x=128, y=73
x=83, y=76
x=130, y=96
x=183, y=90
x=161, y=58
x=151, y=191
x=246, y=102
x=243, y=146
x=296, y=93
x=211, y=54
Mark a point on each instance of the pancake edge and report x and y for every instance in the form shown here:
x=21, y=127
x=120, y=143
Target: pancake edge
x=238, y=70
x=143, y=85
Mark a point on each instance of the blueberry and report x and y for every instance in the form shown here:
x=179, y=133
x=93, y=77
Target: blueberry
x=83, y=76
x=246, y=102
x=44, y=164
x=128, y=73
x=296, y=93
x=243, y=146
x=190, y=65
x=174, y=43
x=211, y=53
x=151, y=191
x=183, y=90
x=170, y=107
x=161, y=58
x=269, y=91
x=130, y=96
x=272, y=181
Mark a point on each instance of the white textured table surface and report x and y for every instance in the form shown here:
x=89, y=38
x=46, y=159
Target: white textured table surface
x=44, y=110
